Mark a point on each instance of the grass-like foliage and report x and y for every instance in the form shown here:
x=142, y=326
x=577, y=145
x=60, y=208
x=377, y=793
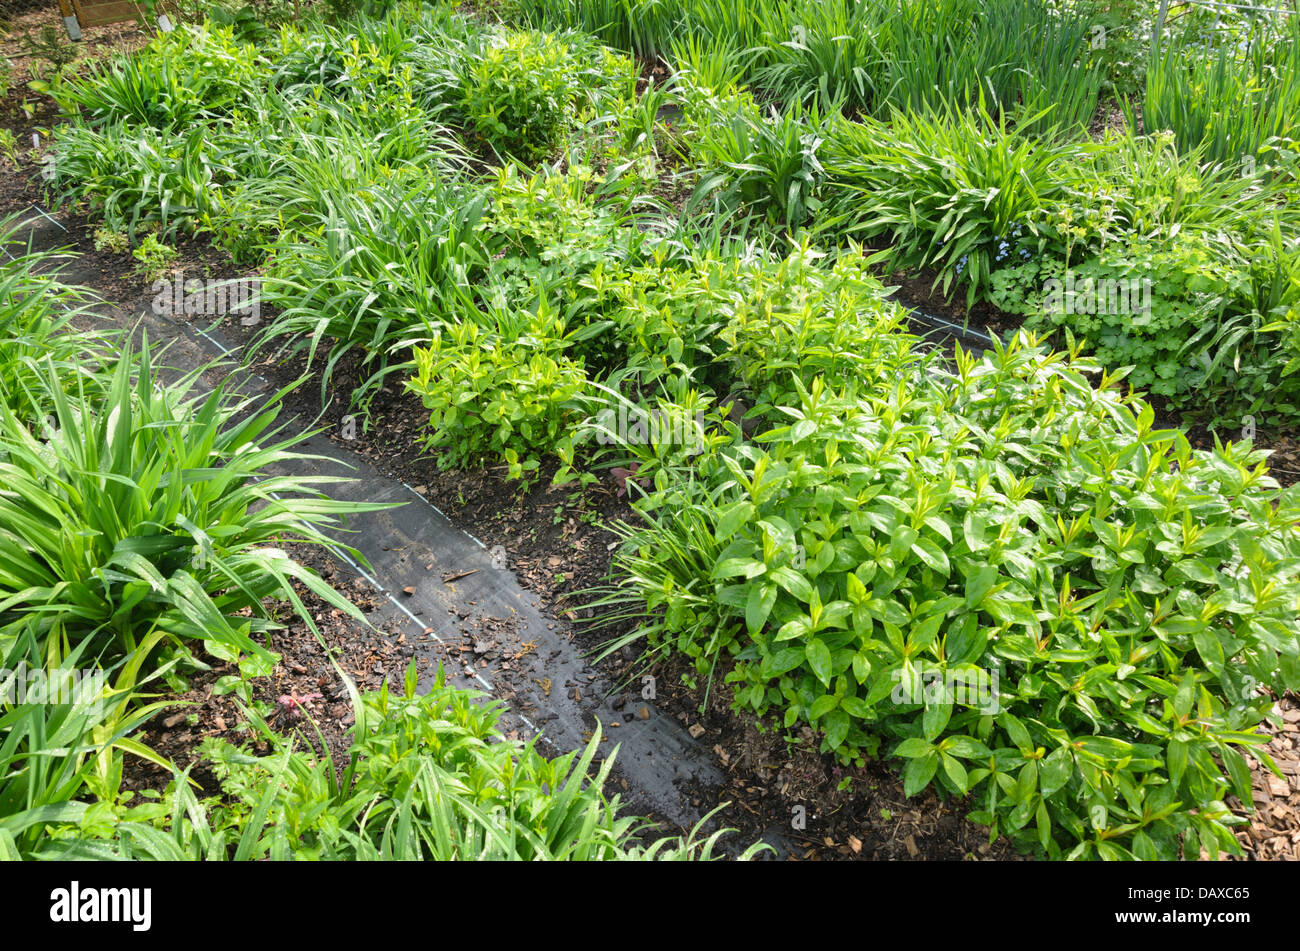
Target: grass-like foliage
x=429, y=777
x=152, y=510
x=1024, y=56
x=951, y=192
x=1233, y=101
x=38, y=317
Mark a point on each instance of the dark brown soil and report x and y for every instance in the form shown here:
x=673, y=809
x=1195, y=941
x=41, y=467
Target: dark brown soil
x=1110, y=119
x=304, y=696
x=24, y=22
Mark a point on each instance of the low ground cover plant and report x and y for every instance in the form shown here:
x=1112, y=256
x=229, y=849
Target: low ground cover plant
x=1176, y=267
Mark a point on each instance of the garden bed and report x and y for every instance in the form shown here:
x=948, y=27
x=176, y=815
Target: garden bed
x=810, y=783
x=554, y=556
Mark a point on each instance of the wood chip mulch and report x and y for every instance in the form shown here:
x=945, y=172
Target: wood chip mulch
x=1273, y=832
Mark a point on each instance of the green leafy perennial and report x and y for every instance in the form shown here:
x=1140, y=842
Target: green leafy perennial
x=1011, y=525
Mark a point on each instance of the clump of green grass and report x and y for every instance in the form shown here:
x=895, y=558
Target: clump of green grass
x=1230, y=101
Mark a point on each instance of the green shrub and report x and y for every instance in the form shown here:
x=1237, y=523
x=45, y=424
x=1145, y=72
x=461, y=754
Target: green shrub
x=519, y=93
x=342, y=10
x=1135, y=304
x=737, y=319
x=549, y=235
x=1006, y=519
x=504, y=394
x=802, y=318
x=49, y=45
